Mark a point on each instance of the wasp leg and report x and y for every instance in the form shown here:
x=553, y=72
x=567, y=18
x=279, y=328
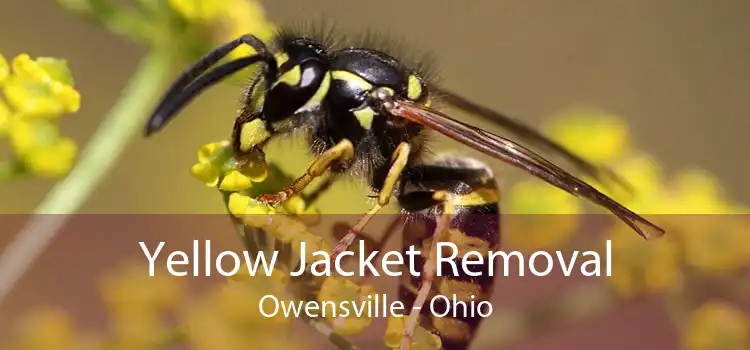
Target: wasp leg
x=389, y=231
x=328, y=181
x=428, y=270
x=341, y=152
x=398, y=163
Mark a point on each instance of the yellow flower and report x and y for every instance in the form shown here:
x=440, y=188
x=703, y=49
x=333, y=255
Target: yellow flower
x=208, y=168
x=41, y=87
x=297, y=206
x=338, y=290
x=285, y=228
x=131, y=288
x=4, y=69
x=641, y=171
x=44, y=69
x=717, y=326
x=644, y=174
x=298, y=234
x=422, y=340
x=6, y=116
x=537, y=197
x=715, y=243
x=202, y=11
x=206, y=173
x=48, y=329
x=235, y=181
x=37, y=92
x=697, y=192
x=715, y=239
x=640, y=266
x=596, y=136
x=277, y=276
x=243, y=206
x=138, y=328
x=43, y=151
x=54, y=161
x=543, y=216
x=216, y=161
x=137, y=304
x=238, y=303
x=230, y=318
x=244, y=17
x=233, y=18
x=207, y=152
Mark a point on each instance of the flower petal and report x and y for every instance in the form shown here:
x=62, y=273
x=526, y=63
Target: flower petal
x=4, y=69
x=235, y=181
x=206, y=173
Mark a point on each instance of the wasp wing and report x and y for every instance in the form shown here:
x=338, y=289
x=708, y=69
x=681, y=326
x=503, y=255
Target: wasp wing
x=519, y=156
x=530, y=135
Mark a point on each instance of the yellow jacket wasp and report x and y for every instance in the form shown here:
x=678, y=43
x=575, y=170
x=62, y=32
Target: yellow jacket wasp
x=366, y=114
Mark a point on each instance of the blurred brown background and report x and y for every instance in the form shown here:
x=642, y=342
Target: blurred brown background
x=676, y=70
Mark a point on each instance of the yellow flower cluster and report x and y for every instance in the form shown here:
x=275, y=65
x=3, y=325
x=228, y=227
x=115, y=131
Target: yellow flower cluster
x=159, y=313
x=137, y=305
x=686, y=205
x=36, y=93
x=218, y=167
x=640, y=267
x=604, y=139
x=230, y=318
x=232, y=18
x=215, y=160
x=717, y=326
x=49, y=329
x=338, y=290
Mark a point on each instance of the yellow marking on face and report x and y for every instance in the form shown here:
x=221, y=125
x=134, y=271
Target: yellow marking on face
x=252, y=134
x=481, y=196
x=351, y=78
x=281, y=58
x=365, y=117
x=291, y=77
x=413, y=88
x=428, y=102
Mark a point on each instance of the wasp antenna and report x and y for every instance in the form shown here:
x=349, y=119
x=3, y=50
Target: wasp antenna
x=190, y=82
x=170, y=107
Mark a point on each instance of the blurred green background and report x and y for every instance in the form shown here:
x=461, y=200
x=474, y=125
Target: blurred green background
x=675, y=70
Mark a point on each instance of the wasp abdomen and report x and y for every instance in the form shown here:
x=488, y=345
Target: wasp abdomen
x=454, y=309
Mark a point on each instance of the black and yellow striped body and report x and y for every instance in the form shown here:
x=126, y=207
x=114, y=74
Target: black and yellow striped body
x=475, y=225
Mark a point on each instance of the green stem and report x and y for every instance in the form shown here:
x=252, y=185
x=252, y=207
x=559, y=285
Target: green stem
x=121, y=124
